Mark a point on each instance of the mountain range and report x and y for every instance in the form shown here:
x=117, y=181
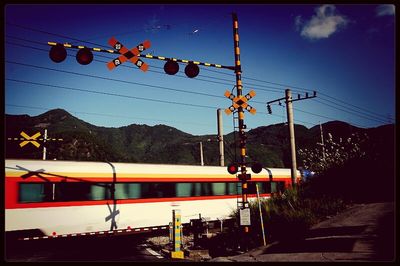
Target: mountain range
x=135, y=143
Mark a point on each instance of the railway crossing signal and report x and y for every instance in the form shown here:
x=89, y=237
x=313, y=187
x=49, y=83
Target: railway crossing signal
x=240, y=101
x=84, y=56
x=233, y=168
x=58, y=53
x=29, y=139
x=26, y=139
x=131, y=55
x=171, y=67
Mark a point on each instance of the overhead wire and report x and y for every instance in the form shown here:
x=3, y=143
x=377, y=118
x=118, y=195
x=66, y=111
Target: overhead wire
x=258, y=80
x=108, y=115
x=301, y=89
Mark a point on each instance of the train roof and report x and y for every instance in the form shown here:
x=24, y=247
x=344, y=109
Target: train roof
x=16, y=167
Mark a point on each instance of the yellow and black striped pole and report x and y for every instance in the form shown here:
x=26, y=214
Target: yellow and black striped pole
x=242, y=134
x=149, y=56
x=177, y=253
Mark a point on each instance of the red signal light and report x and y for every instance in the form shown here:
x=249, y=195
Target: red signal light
x=171, y=67
x=233, y=168
x=84, y=56
x=192, y=70
x=58, y=53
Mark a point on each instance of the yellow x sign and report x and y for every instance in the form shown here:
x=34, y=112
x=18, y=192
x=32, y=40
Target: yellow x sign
x=30, y=139
x=240, y=101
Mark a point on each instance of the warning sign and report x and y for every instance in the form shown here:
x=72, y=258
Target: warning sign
x=245, y=216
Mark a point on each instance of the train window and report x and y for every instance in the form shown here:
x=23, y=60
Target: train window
x=133, y=190
x=35, y=192
x=196, y=189
x=231, y=188
x=218, y=189
x=73, y=191
x=205, y=189
x=98, y=191
x=274, y=188
x=184, y=189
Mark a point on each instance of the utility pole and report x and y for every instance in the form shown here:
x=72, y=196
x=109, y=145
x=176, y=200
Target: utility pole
x=322, y=141
x=201, y=154
x=220, y=138
x=44, y=144
x=289, y=111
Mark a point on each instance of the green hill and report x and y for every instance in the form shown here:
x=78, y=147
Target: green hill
x=163, y=144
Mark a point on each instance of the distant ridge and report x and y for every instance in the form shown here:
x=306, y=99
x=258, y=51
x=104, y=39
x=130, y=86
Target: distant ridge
x=164, y=144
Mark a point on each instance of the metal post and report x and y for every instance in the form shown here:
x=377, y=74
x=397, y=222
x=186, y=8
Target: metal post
x=289, y=110
x=201, y=154
x=261, y=217
x=177, y=253
x=220, y=138
x=322, y=141
x=244, y=211
x=44, y=144
x=171, y=230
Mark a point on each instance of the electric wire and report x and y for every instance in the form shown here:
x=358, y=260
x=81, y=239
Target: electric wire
x=275, y=88
x=110, y=115
x=111, y=94
x=280, y=84
x=259, y=80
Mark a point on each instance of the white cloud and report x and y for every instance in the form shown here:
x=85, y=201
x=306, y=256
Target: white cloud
x=321, y=25
x=385, y=10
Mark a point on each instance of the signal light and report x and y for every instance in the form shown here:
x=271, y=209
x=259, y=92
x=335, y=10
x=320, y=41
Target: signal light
x=233, y=168
x=256, y=168
x=192, y=70
x=58, y=53
x=171, y=67
x=84, y=56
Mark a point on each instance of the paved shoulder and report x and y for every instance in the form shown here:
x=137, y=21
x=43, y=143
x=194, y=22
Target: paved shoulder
x=364, y=232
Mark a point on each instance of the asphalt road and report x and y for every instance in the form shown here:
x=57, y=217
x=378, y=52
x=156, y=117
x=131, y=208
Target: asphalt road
x=364, y=232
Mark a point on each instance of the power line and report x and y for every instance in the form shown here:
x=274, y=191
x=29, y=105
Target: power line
x=115, y=80
x=350, y=112
x=122, y=81
x=259, y=80
x=366, y=110
x=275, y=88
x=109, y=115
x=272, y=89
x=112, y=94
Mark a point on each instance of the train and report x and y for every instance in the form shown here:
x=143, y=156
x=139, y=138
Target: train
x=45, y=198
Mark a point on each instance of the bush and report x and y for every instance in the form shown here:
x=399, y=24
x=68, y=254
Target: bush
x=289, y=216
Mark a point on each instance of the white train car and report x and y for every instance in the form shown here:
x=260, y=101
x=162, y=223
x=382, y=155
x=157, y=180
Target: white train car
x=58, y=198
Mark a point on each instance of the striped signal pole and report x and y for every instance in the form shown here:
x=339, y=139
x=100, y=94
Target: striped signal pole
x=242, y=134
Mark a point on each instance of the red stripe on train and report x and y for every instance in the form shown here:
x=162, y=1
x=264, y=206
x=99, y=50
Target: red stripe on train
x=15, y=205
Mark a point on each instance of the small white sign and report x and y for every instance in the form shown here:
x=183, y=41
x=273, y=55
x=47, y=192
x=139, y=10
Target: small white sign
x=245, y=216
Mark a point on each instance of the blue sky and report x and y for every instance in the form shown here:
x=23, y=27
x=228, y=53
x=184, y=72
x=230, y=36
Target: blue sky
x=344, y=52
